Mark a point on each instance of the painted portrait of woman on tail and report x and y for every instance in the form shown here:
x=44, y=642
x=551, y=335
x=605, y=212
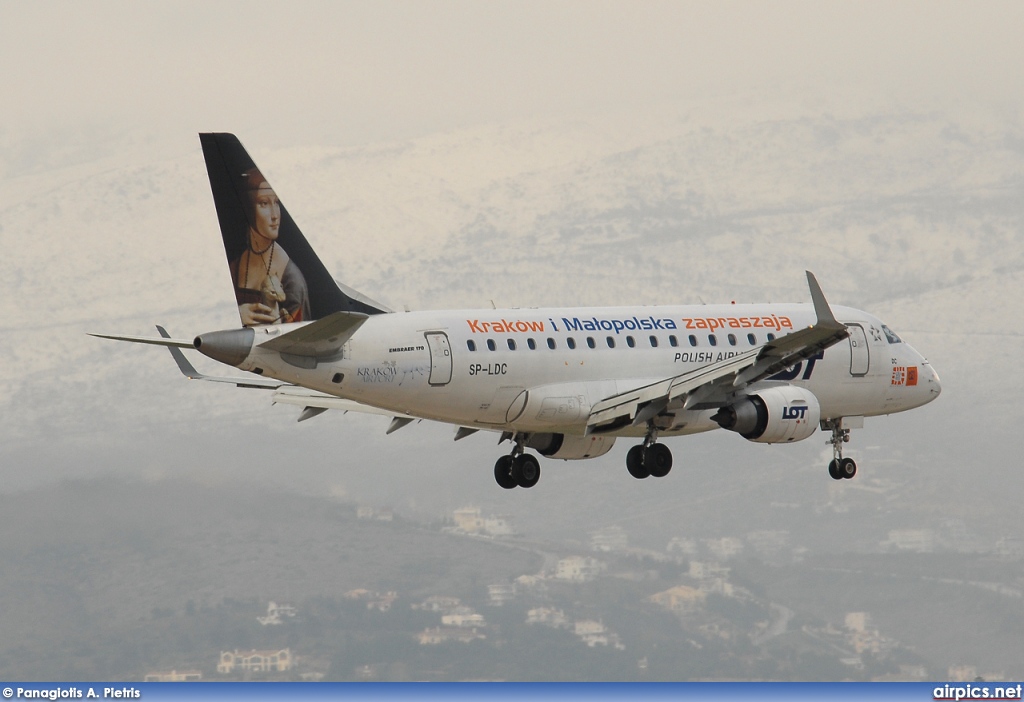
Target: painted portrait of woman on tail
x=269, y=287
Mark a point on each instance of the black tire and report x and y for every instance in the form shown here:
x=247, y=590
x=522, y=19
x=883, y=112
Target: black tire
x=833, y=470
x=658, y=460
x=847, y=468
x=503, y=473
x=526, y=470
x=635, y=463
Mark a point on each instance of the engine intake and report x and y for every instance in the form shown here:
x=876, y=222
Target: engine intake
x=772, y=416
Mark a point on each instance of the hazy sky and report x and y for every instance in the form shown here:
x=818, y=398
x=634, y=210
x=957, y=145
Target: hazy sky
x=358, y=71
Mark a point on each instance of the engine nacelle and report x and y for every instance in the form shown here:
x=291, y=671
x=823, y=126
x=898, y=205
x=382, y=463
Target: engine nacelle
x=569, y=447
x=773, y=416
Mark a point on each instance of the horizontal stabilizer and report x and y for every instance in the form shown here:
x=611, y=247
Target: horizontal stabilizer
x=320, y=339
x=156, y=341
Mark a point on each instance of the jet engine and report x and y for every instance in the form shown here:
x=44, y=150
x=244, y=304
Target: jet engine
x=772, y=416
x=569, y=447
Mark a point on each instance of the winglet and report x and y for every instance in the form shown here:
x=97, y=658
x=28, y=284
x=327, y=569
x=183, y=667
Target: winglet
x=821, y=308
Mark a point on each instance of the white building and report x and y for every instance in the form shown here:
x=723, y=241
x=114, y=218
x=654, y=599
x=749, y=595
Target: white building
x=609, y=539
x=578, y=569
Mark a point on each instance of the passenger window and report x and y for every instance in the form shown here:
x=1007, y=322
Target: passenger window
x=490, y=344
x=629, y=342
x=751, y=339
x=771, y=337
x=672, y=340
x=532, y=344
x=712, y=339
x=590, y=342
x=511, y=344
x=551, y=343
x=654, y=341
x=732, y=340
x=471, y=345
x=611, y=342
x=570, y=342
x=693, y=340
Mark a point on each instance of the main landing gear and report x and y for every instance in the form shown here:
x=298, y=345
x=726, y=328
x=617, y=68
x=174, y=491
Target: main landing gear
x=519, y=469
x=839, y=468
x=649, y=458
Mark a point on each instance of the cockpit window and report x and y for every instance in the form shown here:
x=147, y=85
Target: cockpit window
x=890, y=336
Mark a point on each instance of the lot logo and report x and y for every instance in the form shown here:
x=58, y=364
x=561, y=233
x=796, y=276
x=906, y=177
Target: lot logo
x=794, y=412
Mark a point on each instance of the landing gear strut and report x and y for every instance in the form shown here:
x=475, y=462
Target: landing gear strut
x=649, y=458
x=518, y=469
x=839, y=468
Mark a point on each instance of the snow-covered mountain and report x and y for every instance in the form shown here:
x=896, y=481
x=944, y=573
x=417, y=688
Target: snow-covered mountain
x=917, y=217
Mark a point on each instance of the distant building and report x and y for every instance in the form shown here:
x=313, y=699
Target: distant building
x=857, y=621
x=961, y=673
x=578, y=569
x=381, y=515
x=594, y=633
x=533, y=583
x=500, y=593
x=255, y=661
x=548, y=616
x=439, y=603
x=174, y=676
x=374, y=600
x=609, y=539
x=724, y=548
x=681, y=599
x=702, y=570
x=438, y=635
x=468, y=520
x=274, y=614
x=464, y=620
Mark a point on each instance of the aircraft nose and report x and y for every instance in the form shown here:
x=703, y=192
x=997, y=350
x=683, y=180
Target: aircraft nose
x=931, y=378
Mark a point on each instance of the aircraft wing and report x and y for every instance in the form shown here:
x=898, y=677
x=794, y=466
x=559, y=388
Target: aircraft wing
x=710, y=386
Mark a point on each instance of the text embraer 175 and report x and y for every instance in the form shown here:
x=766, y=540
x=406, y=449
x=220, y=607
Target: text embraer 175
x=565, y=382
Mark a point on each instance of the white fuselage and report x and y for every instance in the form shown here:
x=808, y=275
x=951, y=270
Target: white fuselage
x=536, y=370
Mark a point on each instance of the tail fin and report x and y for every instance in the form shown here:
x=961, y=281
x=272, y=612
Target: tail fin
x=276, y=274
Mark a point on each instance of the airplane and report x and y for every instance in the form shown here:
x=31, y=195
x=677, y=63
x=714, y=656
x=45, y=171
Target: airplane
x=564, y=382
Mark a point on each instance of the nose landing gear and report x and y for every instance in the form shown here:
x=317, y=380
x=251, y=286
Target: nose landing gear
x=839, y=468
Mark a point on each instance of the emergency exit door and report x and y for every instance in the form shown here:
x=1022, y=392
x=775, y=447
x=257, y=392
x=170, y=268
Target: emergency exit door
x=440, y=358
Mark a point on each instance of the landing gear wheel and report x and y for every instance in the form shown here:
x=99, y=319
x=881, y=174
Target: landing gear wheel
x=833, y=470
x=658, y=460
x=503, y=473
x=635, y=463
x=525, y=470
x=847, y=468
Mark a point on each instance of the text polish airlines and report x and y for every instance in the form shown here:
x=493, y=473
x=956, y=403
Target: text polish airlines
x=564, y=382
